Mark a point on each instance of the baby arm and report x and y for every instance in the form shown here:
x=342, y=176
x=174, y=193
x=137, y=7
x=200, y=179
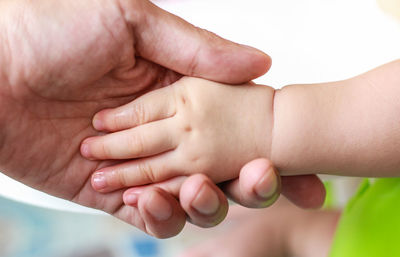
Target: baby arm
x=348, y=127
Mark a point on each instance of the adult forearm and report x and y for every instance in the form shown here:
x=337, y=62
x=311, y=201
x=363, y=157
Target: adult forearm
x=349, y=127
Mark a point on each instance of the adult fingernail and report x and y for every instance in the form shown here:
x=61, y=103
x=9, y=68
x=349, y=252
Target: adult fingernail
x=99, y=181
x=268, y=185
x=131, y=199
x=206, y=201
x=159, y=207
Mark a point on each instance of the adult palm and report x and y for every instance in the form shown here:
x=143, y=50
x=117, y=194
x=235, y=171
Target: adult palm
x=62, y=61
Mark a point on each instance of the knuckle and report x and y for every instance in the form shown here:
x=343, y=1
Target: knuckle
x=197, y=162
x=123, y=178
x=186, y=127
x=117, y=122
x=138, y=114
x=132, y=10
x=193, y=63
x=147, y=172
x=183, y=102
x=180, y=89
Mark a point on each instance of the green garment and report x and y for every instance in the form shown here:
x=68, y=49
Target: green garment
x=370, y=223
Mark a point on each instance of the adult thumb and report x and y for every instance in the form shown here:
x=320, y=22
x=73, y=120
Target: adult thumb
x=169, y=41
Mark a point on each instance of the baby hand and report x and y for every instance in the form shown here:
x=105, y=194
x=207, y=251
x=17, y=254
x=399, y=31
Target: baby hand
x=192, y=126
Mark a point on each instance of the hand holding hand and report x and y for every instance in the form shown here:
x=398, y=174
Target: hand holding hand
x=212, y=128
x=63, y=61
x=197, y=124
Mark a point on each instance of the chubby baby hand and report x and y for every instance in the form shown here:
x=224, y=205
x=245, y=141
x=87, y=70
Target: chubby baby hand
x=192, y=126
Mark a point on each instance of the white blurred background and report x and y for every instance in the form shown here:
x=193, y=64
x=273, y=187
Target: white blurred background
x=308, y=40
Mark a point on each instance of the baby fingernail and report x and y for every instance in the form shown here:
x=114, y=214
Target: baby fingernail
x=268, y=185
x=131, y=199
x=98, y=124
x=159, y=207
x=206, y=201
x=85, y=150
x=99, y=181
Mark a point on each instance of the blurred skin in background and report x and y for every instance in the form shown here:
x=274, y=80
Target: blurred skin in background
x=280, y=230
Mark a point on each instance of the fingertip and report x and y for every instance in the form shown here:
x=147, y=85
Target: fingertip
x=253, y=64
x=259, y=184
x=306, y=191
x=261, y=62
x=99, y=181
x=131, y=199
x=268, y=187
x=107, y=180
x=206, y=201
x=85, y=149
x=102, y=119
x=265, y=64
x=318, y=198
x=203, y=201
x=97, y=123
x=190, y=188
x=161, y=213
x=254, y=174
x=157, y=205
x=131, y=196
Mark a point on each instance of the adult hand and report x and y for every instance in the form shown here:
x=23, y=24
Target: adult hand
x=258, y=186
x=62, y=61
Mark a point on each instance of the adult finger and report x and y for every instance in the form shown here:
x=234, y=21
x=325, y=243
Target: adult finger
x=259, y=185
x=170, y=41
x=158, y=213
x=204, y=203
x=161, y=213
x=306, y=191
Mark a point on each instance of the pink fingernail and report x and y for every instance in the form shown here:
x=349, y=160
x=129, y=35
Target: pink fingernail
x=85, y=150
x=267, y=186
x=99, y=181
x=206, y=201
x=98, y=124
x=131, y=199
x=159, y=207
